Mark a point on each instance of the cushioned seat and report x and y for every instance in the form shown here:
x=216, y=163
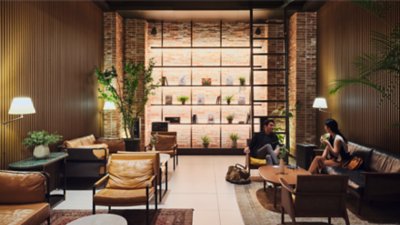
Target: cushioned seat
x=167, y=143
x=121, y=197
x=34, y=213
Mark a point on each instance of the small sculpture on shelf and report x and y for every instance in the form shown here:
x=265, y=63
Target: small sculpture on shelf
x=206, y=141
x=194, y=118
x=168, y=99
x=164, y=81
x=234, y=137
x=206, y=81
x=228, y=99
x=230, y=118
x=242, y=100
x=200, y=99
x=242, y=81
x=210, y=118
x=183, y=99
x=182, y=80
x=229, y=80
x=218, y=101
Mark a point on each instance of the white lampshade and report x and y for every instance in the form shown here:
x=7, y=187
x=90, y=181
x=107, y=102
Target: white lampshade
x=320, y=103
x=21, y=106
x=109, y=106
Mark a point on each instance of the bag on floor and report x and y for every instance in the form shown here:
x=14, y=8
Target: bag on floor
x=237, y=174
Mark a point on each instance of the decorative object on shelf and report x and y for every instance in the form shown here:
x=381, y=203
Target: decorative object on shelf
x=242, y=81
x=218, y=101
x=228, y=99
x=194, y=118
x=168, y=99
x=230, y=118
x=129, y=105
x=153, y=141
x=210, y=118
x=282, y=155
x=242, y=100
x=41, y=140
x=258, y=31
x=183, y=99
x=206, y=81
x=200, y=99
x=173, y=119
x=206, y=141
x=159, y=126
x=248, y=118
x=182, y=80
x=234, y=137
x=164, y=81
x=229, y=80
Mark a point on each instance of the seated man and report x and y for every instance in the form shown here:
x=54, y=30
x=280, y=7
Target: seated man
x=265, y=145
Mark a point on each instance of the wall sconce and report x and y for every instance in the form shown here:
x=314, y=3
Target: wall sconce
x=258, y=31
x=110, y=106
x=20, y=106
x=154, y=31
x=320, y=104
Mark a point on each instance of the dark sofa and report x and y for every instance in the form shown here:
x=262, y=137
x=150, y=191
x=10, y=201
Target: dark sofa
x=378, y=178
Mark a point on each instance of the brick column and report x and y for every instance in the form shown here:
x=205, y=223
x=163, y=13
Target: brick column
x=302, y=74
x=113, y=56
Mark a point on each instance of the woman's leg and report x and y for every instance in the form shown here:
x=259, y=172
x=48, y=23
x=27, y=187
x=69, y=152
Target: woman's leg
x=315, y=164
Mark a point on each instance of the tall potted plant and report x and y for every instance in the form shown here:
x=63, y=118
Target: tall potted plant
x=128, y=95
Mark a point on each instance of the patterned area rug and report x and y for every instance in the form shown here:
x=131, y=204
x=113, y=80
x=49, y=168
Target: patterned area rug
x=134, y=217
x=256, y=206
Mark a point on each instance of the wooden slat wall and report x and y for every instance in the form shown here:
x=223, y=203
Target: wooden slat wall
x=344, y=34
x=48, y=51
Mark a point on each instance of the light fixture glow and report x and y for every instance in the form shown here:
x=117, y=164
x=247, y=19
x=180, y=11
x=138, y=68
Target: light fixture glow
x=20, y=106
x=109, y=106
x=320, y=103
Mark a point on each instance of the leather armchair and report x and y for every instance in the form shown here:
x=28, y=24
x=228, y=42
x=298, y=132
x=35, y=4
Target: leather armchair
x=131, y=180
x=167, y=144
x=315, y=196
x=24, y=198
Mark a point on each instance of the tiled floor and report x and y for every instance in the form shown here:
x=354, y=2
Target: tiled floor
x=198, y=182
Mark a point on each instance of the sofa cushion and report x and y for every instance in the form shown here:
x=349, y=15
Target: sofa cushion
x=129, y=174
x=121, y=197
x=75, y=143
x=24, y=214
x=19, y=187
x=384, y=162
x=356, y=178
x=361, y=151
x=166, y=142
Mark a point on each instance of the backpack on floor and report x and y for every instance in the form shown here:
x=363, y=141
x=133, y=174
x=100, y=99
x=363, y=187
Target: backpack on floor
x=237, y=174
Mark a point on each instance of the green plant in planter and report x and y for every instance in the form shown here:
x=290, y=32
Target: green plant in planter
x=183, y=99
x=41, y=140
x=132, y=96
x=234, y=137
x=228, y=99
x=206, y=141
x=242, y=80
x=230, y=117
x=283, y=152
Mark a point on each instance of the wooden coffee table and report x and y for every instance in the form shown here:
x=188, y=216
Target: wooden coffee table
x=271, y=174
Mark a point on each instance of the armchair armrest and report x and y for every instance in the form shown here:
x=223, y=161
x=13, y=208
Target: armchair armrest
x=151, y=180
x=101, y=181
x=86, y=154
x=286, y=186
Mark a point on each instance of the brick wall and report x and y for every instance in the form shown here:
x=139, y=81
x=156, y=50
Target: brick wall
x=302, y=73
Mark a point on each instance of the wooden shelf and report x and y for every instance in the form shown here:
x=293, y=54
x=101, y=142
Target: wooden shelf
x=203, y=47
x=210, y=66
x=199, y=85
x=211, y=123
x=204, y=105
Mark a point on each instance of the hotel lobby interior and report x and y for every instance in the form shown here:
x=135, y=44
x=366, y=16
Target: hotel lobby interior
x=147, y=112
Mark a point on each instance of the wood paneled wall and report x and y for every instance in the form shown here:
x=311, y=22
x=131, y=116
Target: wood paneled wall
x=48, y=51
x=345, y=33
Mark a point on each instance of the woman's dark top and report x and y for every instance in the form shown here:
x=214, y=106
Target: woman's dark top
x=343, y=153
x=261, y=139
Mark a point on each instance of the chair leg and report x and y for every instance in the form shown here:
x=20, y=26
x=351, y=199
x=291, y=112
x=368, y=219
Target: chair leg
x=329, y=221
x=94, y=209
x=282, y=215
x=359, y=206
x=177, y=161
x=174, y=161
x=48, y=220
x=346, y=217
x=109, y=209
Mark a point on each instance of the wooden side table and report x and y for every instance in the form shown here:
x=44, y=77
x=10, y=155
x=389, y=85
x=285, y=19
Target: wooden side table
x=48, y=165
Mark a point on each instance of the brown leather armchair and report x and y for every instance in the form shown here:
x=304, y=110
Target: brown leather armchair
x=131, y=180
x=167, y=144
x=24, y=198
x=315, y=196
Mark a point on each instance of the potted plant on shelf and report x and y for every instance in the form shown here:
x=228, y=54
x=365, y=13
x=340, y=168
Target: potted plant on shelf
x=228, y=99
x=206, y=141
x=130, y=94
x=183, y=99
x=230, y=118
x=234, y=137
x=242, y=81
x=206, y=81
x=41, y=140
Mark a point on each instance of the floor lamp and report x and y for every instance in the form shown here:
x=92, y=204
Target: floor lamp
x=109, y=106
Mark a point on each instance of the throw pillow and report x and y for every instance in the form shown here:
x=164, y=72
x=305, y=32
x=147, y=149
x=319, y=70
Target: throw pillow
x=354, y=163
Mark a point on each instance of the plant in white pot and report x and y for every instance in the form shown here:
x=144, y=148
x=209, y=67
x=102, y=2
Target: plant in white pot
x=41, y=140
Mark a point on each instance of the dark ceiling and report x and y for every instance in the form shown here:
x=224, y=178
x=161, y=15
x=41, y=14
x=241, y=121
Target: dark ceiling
x=205, y=9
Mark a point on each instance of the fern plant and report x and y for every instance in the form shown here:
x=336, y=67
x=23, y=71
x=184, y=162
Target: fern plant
x=42, y=137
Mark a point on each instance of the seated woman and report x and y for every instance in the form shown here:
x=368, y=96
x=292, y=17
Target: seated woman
x=335, y=152
x=265, y=144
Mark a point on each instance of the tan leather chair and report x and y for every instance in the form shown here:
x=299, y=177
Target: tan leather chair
x=315, y=196
x=131, y=180
x=23, y=198
x=167, y=143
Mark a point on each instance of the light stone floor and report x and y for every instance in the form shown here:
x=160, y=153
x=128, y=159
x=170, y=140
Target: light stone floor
x=198, y=182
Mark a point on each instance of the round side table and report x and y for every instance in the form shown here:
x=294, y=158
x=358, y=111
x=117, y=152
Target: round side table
x=100, y=219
